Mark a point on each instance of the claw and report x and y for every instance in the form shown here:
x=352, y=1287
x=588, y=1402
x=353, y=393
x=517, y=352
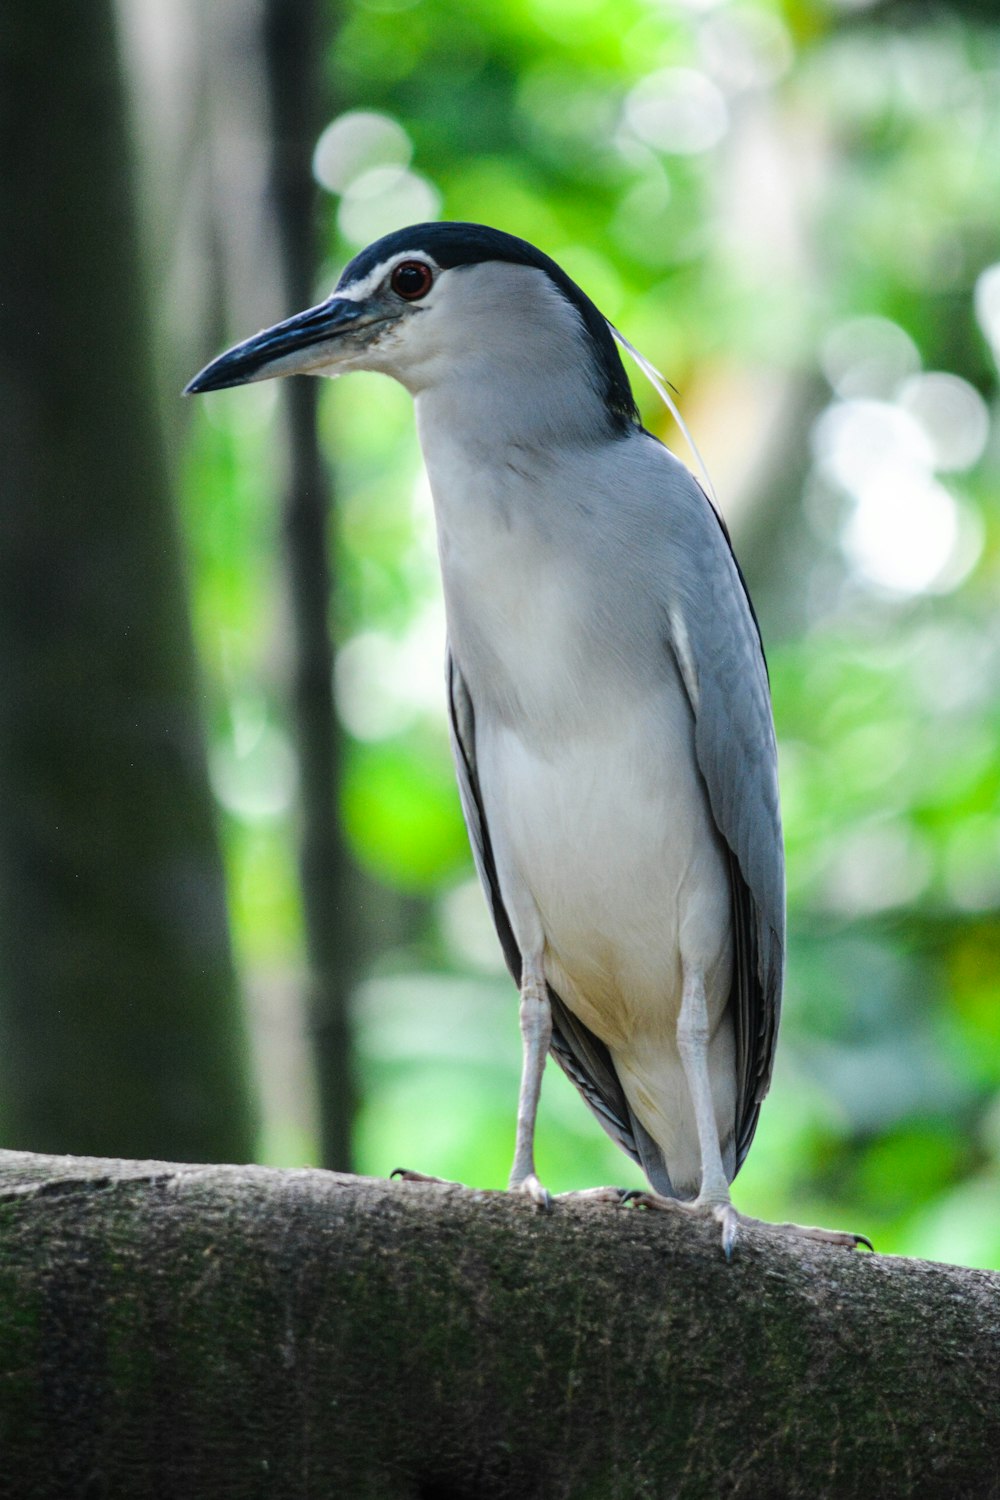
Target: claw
x=403, y=1174
x=532, y=1188
x=643, y=1198
x=730, y=1221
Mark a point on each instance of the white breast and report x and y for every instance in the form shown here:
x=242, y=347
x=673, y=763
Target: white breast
x=608, y=837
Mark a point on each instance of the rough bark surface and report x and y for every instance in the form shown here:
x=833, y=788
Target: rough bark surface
x=238, y=1331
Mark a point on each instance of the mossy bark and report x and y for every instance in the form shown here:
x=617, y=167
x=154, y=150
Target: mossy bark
x=192, y=1331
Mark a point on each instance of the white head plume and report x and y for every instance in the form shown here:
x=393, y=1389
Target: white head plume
x=657, y=380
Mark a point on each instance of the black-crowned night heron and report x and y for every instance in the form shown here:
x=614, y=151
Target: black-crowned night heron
x=610, y=713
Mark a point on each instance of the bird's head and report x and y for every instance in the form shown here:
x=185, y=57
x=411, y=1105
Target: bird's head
x=440, y=302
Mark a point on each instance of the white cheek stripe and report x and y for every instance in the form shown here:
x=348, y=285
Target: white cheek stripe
x=357, y=291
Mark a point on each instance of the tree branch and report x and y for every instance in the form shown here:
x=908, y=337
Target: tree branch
x=179, y=1330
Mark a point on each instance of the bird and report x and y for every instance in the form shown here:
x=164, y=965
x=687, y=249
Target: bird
x=609, y=701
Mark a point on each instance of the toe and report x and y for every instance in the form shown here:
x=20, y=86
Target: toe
x=726, y=1215
x=842, y=1237
x=533, y=1189
x=597, y=1196
x=403, y=1174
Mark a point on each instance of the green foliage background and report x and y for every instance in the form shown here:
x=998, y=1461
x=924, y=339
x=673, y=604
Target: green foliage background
x=792, y=209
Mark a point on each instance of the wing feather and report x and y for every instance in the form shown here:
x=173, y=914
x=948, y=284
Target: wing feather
x=714, y=637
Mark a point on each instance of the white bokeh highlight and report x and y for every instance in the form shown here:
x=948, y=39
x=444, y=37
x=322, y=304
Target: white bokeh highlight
x=384, y=199
x=905, y=533
x=358, y=142
x=386, y=683
x=677, y=110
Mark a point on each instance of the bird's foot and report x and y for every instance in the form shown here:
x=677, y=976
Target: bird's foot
x=533, y=1189
x=732, y=1221
x=722, y=1211
x=403, y=1174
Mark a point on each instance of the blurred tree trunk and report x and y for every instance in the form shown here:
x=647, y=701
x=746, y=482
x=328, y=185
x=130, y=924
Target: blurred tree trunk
x=295, y=42
x=199, y=1331
x=120, y=1030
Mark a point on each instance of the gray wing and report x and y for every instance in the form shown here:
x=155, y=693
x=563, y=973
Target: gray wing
x=713, y=634
x=581, y=1055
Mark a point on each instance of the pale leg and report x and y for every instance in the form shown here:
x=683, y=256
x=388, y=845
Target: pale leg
x=536, y=1033
x=692, y=1043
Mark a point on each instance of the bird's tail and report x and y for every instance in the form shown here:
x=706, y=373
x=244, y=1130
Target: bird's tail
x=651, y=1160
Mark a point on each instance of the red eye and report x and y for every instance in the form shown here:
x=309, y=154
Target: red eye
x=411, y=279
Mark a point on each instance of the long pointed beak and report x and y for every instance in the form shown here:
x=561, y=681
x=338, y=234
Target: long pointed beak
x=297, y=346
